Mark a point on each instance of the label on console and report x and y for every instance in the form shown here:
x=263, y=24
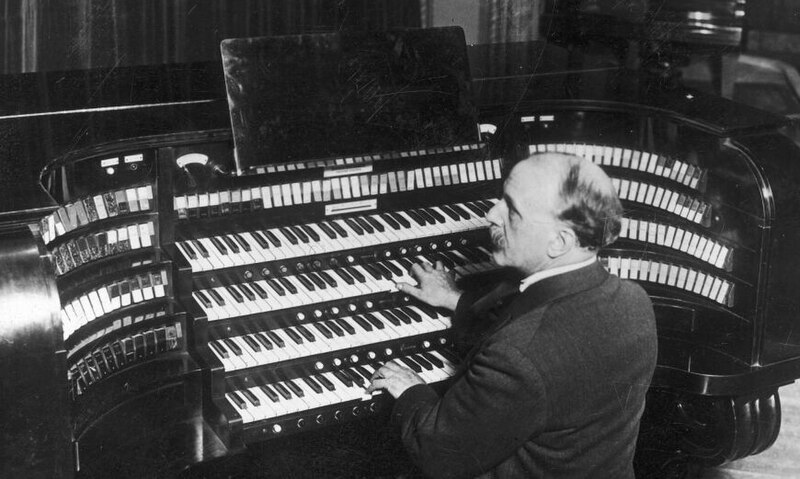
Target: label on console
x=351, y=207
x=347, y=171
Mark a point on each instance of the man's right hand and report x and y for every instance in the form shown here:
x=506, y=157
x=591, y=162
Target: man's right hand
x=436, y=286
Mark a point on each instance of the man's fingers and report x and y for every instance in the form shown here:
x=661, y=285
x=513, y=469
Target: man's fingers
x=376, y=384
x=410, y=290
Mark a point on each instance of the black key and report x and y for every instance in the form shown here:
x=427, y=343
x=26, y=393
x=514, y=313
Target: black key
x=427, y=310
x=252, y=343
x=487, y=204
x=199, y=247
x=219, y=245
x=260, y=239
x=375, y=224
x=204, y=299
x=433, y=359
x=422, y=362
x=407, y=263
x=276, y=286
x=288, y=235
x=475, y=209
x=306, y=333
x=300, y=233
x=231, y=244
x=219, y=348
x=250, y=397
x=247, y=292
x=363, y=372
x=419, y=219
x=391, y=267
x=416, y=367
x=262, y=338
x=259, y=290
x=400, y=219
x=313, y=385
x=325, y=383
x=385, y=272
x=436, y=215
x=310, y=232
x=327, y=230
x=364, y=225
x=375, y=273
x=237, y=296
x=389, y=220
x=375, y=321
x=339, y=230
x=343, y=274
x=293, y=335
x=294, y=388
x=344, y=378
x=355, y=274
x=317, y=281
x=411, y=313
x=402, y=316
x=324, y=330
x=232, y=346
x=282, y=390
x=275, y=338
x=242, y=242
x=288, y=285
x=452, y=214
x=335, y=328
x=327, y=278
x=356, y=378
x=461, y=211
x=363, y=323
x=306, y=282
x=354, y=226
x=392, y=318
x=345, y=325
x=216, y=297
x=269, y=393
x=237, y=399
x=272, y=238
x=187, y=247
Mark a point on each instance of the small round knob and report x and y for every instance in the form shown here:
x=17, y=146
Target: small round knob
x=317, y=313
x=354, y=358
x=356, y=411
x=248, y=274
x=352, y=307
x=319, y=419
x=334, y=311
x=277, y=428
x=371, y=355
x=301, y=423
x=283, y=269
x=301, y=316
x=300, y=267
x=265, y=272
x=319, y=366
x=337, y=415
x=433, y=246
x=337, y=362
x=388, y=351
x=350, y=259
x=426, y=344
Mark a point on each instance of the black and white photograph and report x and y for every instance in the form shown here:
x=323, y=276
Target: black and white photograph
x=399, y=239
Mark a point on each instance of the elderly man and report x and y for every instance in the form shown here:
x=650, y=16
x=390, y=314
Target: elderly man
x=555, y=384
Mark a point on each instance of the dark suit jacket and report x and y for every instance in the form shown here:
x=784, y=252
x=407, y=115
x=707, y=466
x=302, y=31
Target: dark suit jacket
x=554, y=389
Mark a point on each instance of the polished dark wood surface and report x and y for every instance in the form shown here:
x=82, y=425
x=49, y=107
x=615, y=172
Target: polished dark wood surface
x=35, y=410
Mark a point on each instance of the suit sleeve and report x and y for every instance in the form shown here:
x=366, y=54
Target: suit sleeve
x=485, y=416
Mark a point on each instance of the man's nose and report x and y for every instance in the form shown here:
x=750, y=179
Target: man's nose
x=493, y=215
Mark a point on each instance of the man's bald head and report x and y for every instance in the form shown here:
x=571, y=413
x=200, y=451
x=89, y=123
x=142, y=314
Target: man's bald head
x=584, y=196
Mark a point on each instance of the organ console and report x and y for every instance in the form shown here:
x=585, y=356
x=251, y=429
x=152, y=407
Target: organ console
x=210, y=302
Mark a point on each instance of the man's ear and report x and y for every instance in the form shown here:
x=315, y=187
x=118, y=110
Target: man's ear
x=562, y=242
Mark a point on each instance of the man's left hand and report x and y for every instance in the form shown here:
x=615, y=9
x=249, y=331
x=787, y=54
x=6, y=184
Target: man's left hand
x=394, y=378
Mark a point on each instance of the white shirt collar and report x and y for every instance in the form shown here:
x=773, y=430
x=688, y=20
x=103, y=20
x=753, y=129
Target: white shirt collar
x=540, y=275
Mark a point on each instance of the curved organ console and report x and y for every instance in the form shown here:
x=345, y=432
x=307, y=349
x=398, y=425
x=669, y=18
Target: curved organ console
x=204, y=311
